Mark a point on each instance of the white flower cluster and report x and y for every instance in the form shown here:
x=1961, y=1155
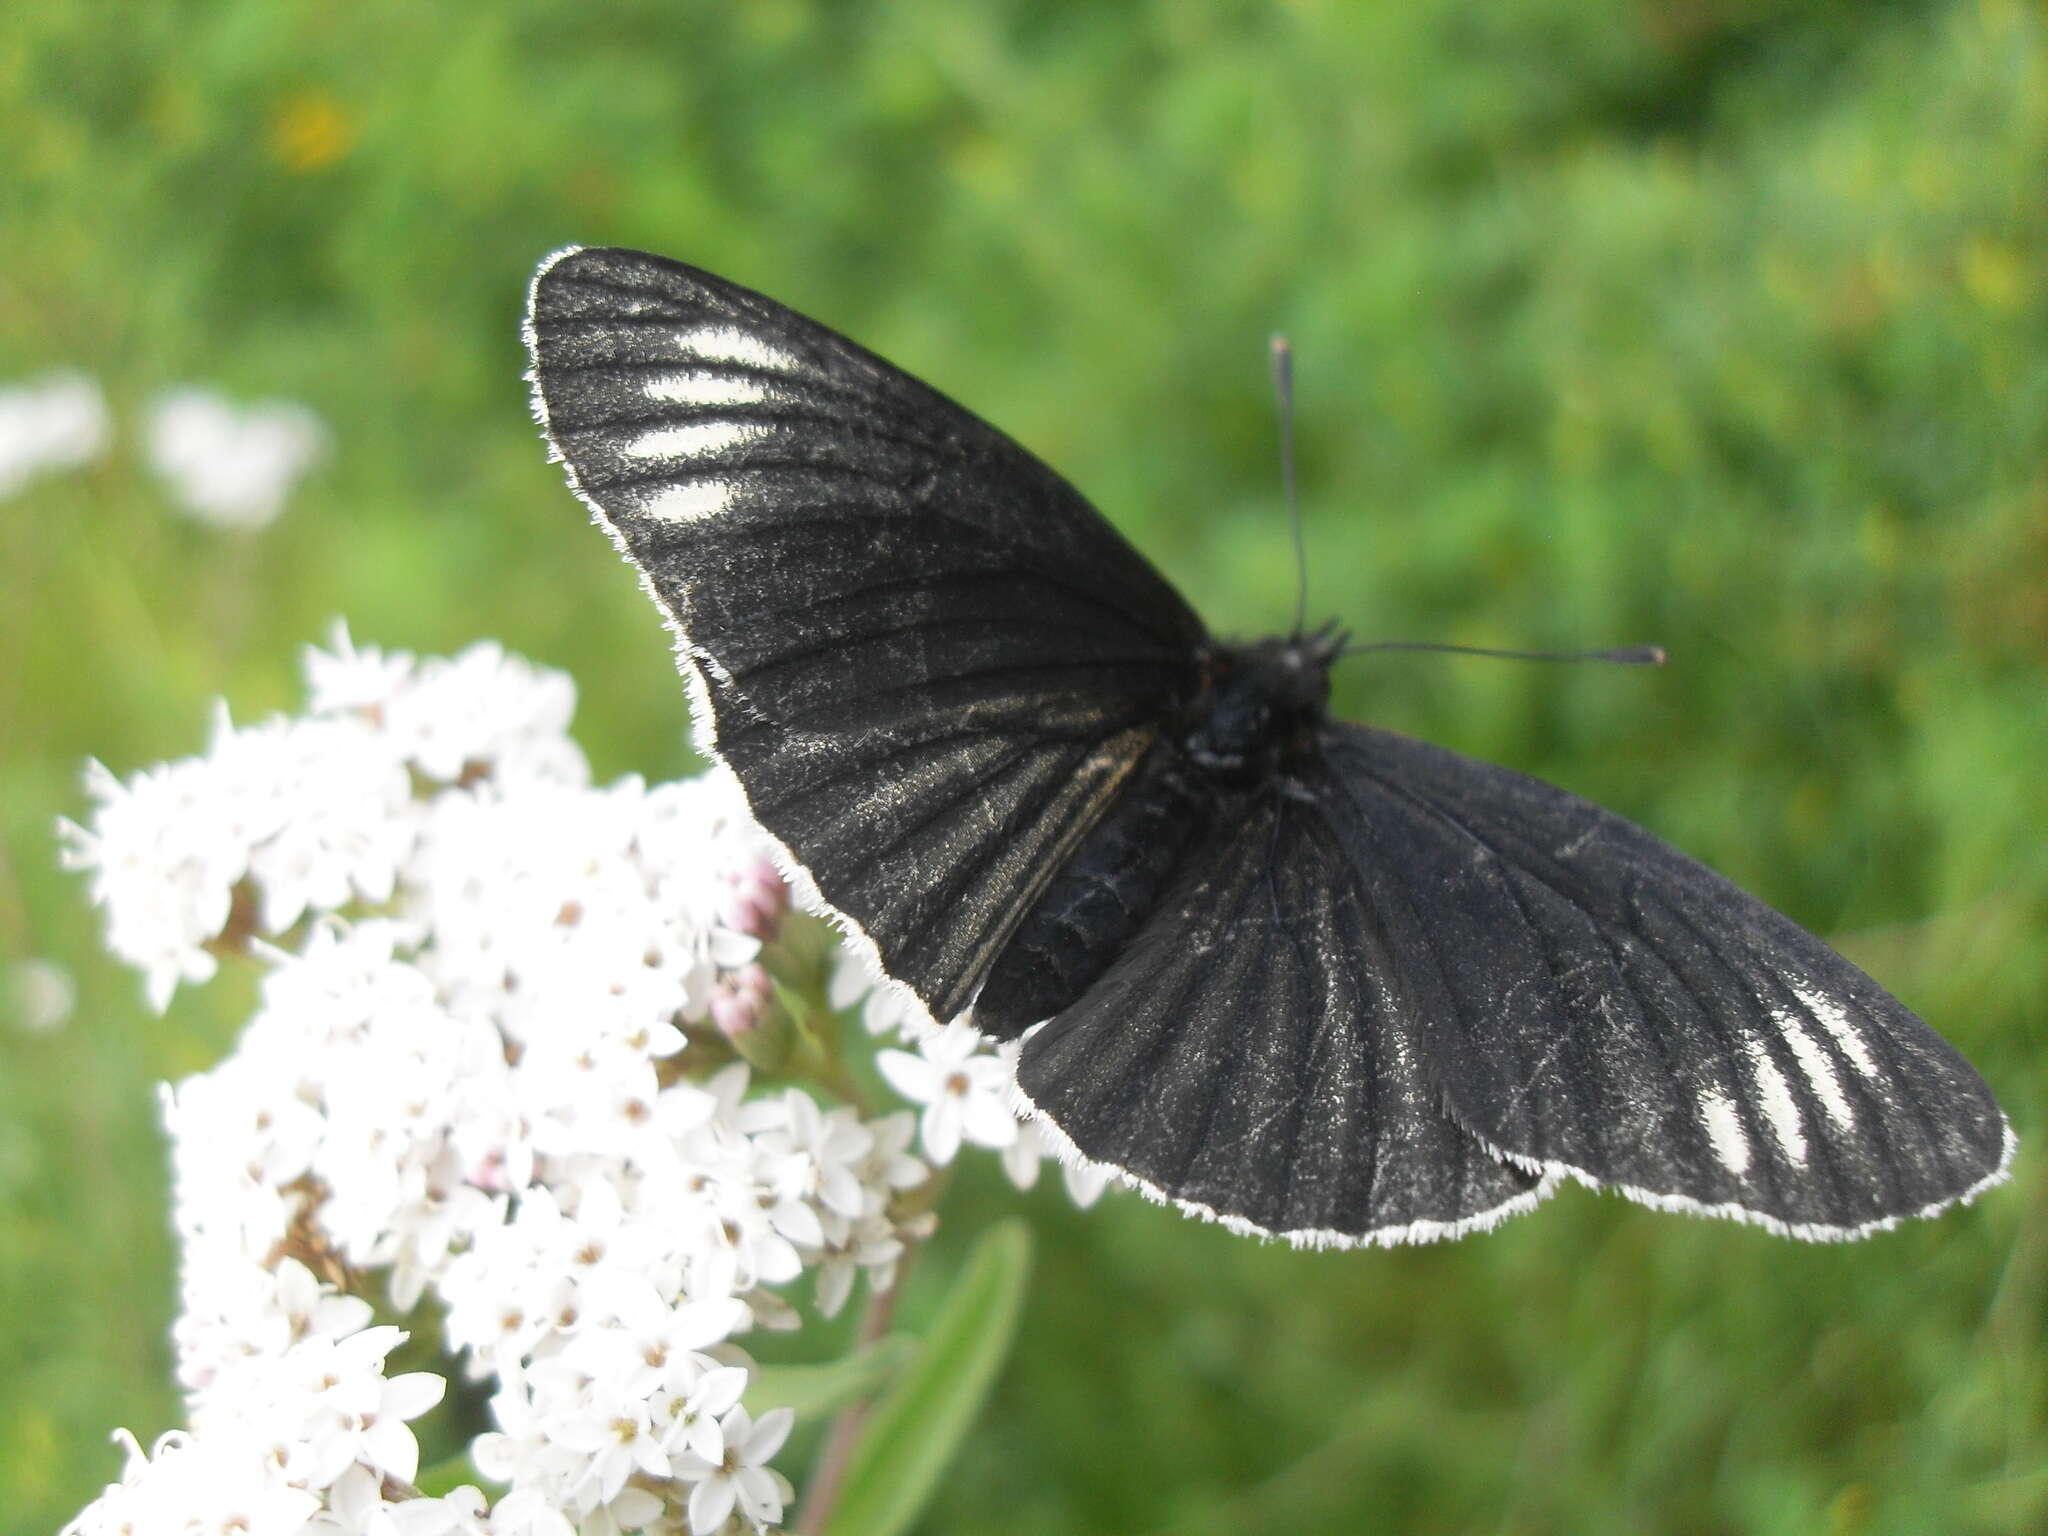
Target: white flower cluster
x=308, y=814
x=55, y=422
x=967, y=1088
x=230, y=465
x=304, y=1433
x=464, y=1074
x=227, y=465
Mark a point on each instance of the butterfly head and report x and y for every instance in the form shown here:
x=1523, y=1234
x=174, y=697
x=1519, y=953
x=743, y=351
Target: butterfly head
x=1261, y=704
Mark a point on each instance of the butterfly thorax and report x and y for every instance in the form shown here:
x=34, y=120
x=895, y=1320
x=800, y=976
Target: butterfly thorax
x=1260, y=705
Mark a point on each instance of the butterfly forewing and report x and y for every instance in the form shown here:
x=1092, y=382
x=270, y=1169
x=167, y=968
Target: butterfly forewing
x=928, y=660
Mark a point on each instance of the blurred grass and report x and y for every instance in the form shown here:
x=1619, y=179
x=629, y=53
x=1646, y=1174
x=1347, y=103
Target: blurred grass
x=1717, y=323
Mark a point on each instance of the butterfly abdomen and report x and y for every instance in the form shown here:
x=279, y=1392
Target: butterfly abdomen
x=1094, y=906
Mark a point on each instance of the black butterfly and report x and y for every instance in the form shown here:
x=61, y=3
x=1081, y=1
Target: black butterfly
x=1304, y=977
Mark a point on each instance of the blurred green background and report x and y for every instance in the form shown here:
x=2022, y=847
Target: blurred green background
x=1716, y=323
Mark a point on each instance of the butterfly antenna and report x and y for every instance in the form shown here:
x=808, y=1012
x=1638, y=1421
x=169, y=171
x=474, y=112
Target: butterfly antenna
x=1626, y=656
x=1283, y=392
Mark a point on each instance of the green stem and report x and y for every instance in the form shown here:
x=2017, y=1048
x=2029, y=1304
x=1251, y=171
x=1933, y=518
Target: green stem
x=814, y=1511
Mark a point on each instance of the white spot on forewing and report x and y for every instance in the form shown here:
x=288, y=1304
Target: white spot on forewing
x=703, y=388
x=726, y=344
x=1781, y=1110
x=1835, y=1020
x=1724, y=1130
x=692, y=439
x=687, y=502
x=1819, y=1070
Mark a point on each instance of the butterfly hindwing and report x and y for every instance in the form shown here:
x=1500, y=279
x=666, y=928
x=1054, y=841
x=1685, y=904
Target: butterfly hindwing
x=1243, y=1056
x=927, y=659
x=1603, y=1005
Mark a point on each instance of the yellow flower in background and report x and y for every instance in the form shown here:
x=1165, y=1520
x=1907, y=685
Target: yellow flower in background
x=310, y=131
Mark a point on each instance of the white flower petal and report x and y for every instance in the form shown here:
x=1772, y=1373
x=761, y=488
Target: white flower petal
x=767, y=1435
x=912, y=1076
x=710, y=1502
x=390, y=1447
x=940, y=1128
x=988, y=1122
x=410, y=1395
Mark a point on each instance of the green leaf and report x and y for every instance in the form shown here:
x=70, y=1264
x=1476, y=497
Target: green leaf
x=814, y=1390
x=918, y=1426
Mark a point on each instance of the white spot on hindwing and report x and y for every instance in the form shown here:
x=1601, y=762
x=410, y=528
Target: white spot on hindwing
x=728, y=344
x=1724, y=1129
x=1819, y=1070
x=1835, y=1020
x=1781, y=1110
x=687, y=502
x=691, y=440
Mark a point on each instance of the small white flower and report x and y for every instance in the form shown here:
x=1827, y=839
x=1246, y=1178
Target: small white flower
x=613, y=1430
x=817, y=1157
x=1084, y=1182
x=350, y=822
x=687, y=1414
x=328, y=1402
x=312, y=1310
x=311, y=814
x=356, y=1506
x=661, y=1341
x=1021, y=1157
x=58, y=421
x=528, y=1512
x=735, y=1245
x=347, y=679
x=485, y=709
x=886, y=1007
x=742, y=1477
x=197, y=1483
x=607, y=1251
x=872, y=1245
x=230, y=466
x=889, y=1164
x=635, y=1509
x=965, y=1090
x=164, y=851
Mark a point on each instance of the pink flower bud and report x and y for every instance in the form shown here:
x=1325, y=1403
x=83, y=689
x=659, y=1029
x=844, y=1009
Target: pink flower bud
x=738, y=1000
x=756, y=899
